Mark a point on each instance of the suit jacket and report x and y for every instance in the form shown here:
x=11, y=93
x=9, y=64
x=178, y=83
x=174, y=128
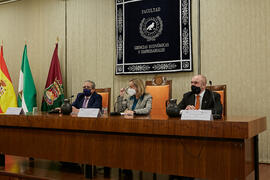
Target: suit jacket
x=95, y=101
x=143, y=106
x=208, y=102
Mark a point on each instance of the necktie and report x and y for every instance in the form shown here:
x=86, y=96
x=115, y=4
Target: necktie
x=85, y=103
x=197, y=106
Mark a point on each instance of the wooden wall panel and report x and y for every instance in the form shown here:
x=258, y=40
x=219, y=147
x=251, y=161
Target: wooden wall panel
x=38, y=23
x=235, y=51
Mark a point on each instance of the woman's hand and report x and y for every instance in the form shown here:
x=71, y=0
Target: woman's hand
x=129, y=112
x=122, y=92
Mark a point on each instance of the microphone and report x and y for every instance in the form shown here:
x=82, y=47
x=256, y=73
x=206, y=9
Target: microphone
x=115, y=113
x=210, y=82
x=70, y=98
x=215, y=115
x=114, y=105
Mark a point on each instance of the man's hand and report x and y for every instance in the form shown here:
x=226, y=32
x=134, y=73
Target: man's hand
x=190, y=107
x=75, y=110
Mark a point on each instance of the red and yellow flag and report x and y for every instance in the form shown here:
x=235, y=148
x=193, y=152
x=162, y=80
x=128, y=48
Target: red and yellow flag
x=7, y=94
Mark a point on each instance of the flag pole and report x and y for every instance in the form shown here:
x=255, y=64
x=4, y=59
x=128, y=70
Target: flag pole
x=57, y=40
x=2, y=43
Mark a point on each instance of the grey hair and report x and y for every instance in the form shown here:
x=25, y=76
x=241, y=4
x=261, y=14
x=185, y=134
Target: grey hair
x=92, y=82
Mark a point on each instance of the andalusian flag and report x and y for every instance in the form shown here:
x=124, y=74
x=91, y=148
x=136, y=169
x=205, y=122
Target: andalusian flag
x=53, y=93
x=27, y=90
x=7, y=94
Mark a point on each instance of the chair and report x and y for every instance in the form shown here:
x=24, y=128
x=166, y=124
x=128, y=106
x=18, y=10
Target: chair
x=221, y=89
x=106, y=98
x=161, y=90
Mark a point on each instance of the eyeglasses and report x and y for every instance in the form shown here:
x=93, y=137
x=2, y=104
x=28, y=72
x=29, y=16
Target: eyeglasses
x=87, y=87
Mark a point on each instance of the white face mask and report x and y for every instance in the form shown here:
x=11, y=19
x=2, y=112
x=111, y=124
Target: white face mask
x=131, y=91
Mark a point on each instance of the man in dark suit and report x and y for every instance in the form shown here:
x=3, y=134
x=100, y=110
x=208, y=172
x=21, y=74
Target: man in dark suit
x=88, y=98
x=201, y=98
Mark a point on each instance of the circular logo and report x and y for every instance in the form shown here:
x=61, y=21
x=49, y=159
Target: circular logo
x=151, y=28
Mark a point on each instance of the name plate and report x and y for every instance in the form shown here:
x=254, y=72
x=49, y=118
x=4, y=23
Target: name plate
x=88, y=112
x=205, y=115
x=14, y=111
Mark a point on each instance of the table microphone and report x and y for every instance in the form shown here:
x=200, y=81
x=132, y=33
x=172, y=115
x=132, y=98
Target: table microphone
x=116, y=113
x=114, y=105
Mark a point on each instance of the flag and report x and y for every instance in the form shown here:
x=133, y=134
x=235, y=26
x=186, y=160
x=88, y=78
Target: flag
x=53, y=95
x=27, y=90
x=7, y=93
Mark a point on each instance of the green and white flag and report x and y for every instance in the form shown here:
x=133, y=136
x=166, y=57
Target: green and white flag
x=27, y=90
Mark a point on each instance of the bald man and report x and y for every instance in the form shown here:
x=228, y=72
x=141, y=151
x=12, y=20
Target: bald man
x=201, y=98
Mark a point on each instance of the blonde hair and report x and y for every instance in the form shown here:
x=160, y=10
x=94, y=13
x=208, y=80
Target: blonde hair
x=138, y=83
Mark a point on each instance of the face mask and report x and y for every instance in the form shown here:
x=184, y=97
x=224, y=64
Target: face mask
x=131, y=91
x=87, y=92
x=195, y=89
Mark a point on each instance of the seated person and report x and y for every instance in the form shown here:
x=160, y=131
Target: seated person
x=88, y=98
x=138, y=102
x=201, y=98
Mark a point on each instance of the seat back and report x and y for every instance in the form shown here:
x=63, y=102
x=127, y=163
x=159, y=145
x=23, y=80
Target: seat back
x=106, y=98
x=161, y=90
x=221, y=89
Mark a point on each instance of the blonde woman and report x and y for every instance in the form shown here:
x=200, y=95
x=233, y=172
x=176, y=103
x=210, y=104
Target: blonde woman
x=137, y=102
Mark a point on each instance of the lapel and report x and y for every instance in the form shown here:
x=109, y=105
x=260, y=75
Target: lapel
x=91, y=101
x=192, y=100
x=138, y=105
x=131, y=102
x=81, y=102
x=139, y=101
x=205, y=100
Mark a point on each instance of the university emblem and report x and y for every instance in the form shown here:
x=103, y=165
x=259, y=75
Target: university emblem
x=2, y=87
x=52, y=93
x=151, y=28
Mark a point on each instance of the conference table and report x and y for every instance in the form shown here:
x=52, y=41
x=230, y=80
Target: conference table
x=218, y=149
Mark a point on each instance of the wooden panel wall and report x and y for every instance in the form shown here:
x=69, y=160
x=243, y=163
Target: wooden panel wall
x=236, y=51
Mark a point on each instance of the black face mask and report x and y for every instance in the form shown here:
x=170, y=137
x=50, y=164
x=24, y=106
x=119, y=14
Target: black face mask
x=87, y=92
x=195, y=89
